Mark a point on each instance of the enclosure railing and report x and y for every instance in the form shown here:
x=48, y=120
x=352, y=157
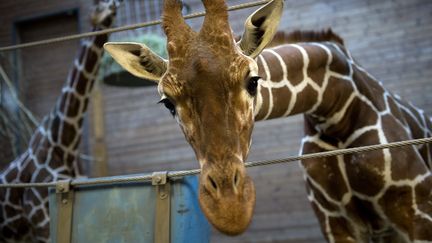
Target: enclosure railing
x=174, y=174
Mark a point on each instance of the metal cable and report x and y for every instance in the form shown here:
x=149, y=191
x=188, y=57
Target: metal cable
x=176, y=174
x=26, y=185
x=122, y=28
x=341, y=152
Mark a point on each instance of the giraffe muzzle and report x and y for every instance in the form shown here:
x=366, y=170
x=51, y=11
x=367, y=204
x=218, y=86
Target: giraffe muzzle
x=227, y=197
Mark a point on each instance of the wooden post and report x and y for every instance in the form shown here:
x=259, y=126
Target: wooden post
x=99, y=167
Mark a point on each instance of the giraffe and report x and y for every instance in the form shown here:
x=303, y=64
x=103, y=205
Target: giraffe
x=53, y=148
x=381, y=196
x=196, y=60
x=216, y=89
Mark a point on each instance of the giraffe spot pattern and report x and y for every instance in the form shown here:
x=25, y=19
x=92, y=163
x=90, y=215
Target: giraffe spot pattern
x=339, y=63
x=352, y=109
x=81, y=88
x=69, y=134
x=44, y=175
x=363, y=213
x=423, y=233
x=7, y=232
x=72, y=78
x=264, y=93
x=316, y=68
x=36, y=139
x=280, y=100
x=44, y=154
x=54, y=129
x=326, y=174
x=10, y=211
x=12, y=174
x=57, y=156
x=369, y=89
x=423, y=195
x=292, y=57
x=312, y=93
x=341, y=229
x=338, y=92
x=73, y=105
x=365, y=170
x=319, y=197
x=77, y=143
x=396, y=204
x=89, y=66
x=38, y=217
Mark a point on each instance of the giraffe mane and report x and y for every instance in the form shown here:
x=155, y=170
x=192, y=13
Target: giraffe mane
x=297, y=36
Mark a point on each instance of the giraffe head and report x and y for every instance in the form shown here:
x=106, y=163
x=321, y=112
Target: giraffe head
x=104, y=11
x=209, y=84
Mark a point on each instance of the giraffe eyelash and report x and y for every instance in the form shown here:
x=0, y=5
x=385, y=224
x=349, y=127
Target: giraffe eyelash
x=168, y=104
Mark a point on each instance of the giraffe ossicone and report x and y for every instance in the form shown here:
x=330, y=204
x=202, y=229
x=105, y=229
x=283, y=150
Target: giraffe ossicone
x=210, y=84
x=52, y=154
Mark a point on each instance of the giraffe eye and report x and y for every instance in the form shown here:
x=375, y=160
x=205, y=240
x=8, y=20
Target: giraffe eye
x=252, y=85
x=169, y=105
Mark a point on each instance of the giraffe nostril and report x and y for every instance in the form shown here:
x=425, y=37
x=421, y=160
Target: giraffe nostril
x=236, y=178
x=212, y=182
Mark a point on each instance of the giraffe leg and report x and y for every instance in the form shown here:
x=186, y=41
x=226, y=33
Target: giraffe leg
x=335, y=227
x=423, y=209
x=37, y=211
x=42, y=234
x=343, y=231
x=409, y=208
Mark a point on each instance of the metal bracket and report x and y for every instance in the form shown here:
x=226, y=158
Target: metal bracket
x=163, y=207
x=159, y=178
x=65, y=200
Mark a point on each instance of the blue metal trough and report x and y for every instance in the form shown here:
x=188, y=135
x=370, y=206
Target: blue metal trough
x=127, y=213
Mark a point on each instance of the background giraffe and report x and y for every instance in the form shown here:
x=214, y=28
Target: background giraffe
x=53, y=148
x=382, y=195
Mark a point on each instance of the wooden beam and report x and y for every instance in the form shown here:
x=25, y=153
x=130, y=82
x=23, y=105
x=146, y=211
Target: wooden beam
x=99, y=167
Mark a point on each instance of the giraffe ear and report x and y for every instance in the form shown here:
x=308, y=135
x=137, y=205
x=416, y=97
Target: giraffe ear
x=137, y=59
x=260, y=28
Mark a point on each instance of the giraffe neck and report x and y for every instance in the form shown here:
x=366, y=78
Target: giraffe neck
x=57, y=138
x=321, y=81
x=294, y=82
x=53, y=148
